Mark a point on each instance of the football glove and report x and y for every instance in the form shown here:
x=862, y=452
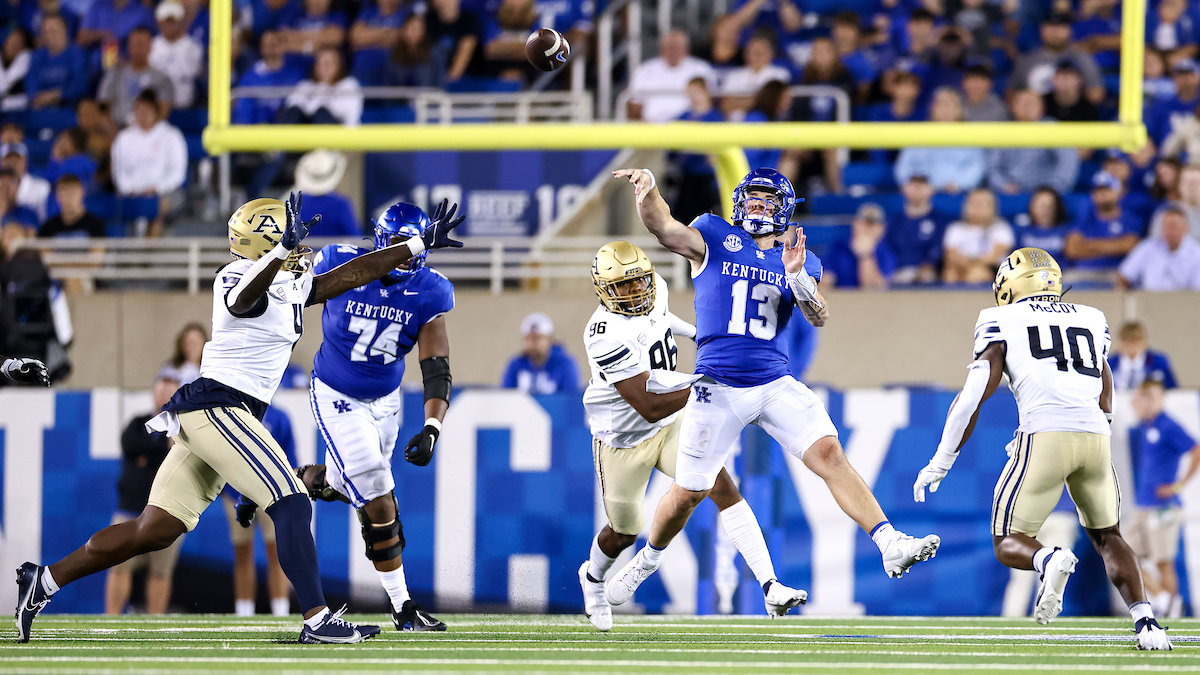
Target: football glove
x=419, y=450
x=437, y=235
x=931, y=476
x=26, y=370
x=245, y=511
x=296, y=229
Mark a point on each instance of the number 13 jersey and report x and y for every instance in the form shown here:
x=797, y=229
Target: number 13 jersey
x=1054, y=359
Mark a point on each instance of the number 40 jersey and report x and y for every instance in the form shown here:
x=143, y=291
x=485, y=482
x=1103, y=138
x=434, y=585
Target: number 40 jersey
x=369, y=330
x=1054, y=358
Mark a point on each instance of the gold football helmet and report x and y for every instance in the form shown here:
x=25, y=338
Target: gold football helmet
x=1027, y=273
x=255, y=229
x=616, y=269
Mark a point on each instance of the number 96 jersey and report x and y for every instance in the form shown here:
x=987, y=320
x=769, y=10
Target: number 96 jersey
x=1054, y=358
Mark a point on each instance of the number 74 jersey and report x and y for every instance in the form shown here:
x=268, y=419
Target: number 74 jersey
x=1054, y=359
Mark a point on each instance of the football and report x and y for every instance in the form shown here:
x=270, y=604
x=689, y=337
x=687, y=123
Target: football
x=547, y=49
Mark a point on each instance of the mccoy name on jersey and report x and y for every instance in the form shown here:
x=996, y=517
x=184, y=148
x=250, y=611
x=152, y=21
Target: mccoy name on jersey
x=619, y=347
x=250, y=352
x=743, y=304
x=1054, y=359
x=370, y=329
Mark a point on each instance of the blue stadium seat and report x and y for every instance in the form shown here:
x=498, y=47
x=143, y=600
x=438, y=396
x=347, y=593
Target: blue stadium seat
x=195, y=146
x=875, y=174
x=48, y=122
x=468, y=84
x=39, y=151
x=190, y=121
x=132, y=208
x=950, y=205
x=370, y=67
x=1077, y=203
x=1013, y=205
x=833, y=205
x=392, y=114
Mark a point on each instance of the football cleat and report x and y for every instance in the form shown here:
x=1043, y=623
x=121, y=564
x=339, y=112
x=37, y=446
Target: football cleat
x=1151, y=636
x=31, y=598
x=620, y=588
x=412, y=617
x=595, y=605
x=1049, y=600
x=905, y=551
x=780, y=598
x=335, y=630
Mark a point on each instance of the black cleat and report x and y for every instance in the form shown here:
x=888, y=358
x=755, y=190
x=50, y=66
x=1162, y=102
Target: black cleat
x=31, y=598
x=335, y=630
x=412, y=617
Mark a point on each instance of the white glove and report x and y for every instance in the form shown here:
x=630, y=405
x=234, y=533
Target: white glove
x=931, y=476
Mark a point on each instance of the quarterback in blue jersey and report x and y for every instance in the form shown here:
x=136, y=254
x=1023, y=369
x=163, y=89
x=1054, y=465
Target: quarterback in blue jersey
x=356, y=400
x=750, y=277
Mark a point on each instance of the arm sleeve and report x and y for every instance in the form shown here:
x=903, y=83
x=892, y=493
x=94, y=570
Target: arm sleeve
x=680, y=327
x=987, y=331
x=617, y=359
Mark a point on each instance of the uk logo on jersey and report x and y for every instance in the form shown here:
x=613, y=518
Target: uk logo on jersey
x=733, y=243
x=703, y=395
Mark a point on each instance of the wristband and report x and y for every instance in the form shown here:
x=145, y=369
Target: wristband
x=435, y=423
x=1108, y=416
x=653, y=182
x=416, y=245
x=803, y=286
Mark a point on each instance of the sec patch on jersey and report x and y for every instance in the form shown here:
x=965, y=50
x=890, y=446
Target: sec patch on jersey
x=547, y=49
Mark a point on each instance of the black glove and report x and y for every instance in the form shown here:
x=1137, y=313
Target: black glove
x=26, y=370
x=419, y=450
x=437, y=235
x=296, y=229
x=245, y=511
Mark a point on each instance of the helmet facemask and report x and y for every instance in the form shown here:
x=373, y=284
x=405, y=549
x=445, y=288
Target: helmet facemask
x=770, y=209
x=632, y=295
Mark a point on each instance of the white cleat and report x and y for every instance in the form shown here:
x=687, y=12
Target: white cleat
x=1049, y=601
x=620, y=587
x=780, y=599
x=907, y=551
x=595, y=605
x=1151, y=636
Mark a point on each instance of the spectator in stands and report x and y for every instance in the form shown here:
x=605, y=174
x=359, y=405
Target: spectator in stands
x=1165, y=187
x=657, y=87
x=149, y=158
x=504, y=35
x=272, y=70
x=11, y=212
x=272, y=15
x=975, y=245
x=1135, y=200
x=1156, y=84
x=142, y=453
x=864, y=260
x=906, y=89
x=414, y=62
x=195, y=20
x=69, y=156
x=11, y=132
x=329, y=96
x=1132, y=362
x=824, y=67
x=949, y=63
x=698, y=192
x=1172, y=28
x=378, y=26
x=544, y=367
x=1162, y=116
x=189, y=348
x=739, y=85
x=317, y=175
x=446, y=21
x=980, y=103
x=1168, y=262
x=748, y=16
x=916, y=48
x=175, y=54
x=32, y=191
x=946, y=169
x=126, y=80
x=1098, y=32
x=974, y=20
x=771, y=104
x=1065, y=101
x=1036, y=69
x=1104, y=234
x=1189, y=203
x=314, y=29
x=915, y=234
x=1184, y=138
x=73, y=219
x=847, y=39
x=33, y=12
x=1158, y=444
x=57, y=68
x=112, y=21
x=14, y=66
x=1044, y=225
x=1017, y=170
x=99, y=126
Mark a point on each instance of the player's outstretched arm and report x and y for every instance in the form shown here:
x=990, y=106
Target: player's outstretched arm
x=652, y=407
x=656, y=216
x=983, y=376
x=243, y=297
x=433, y=349
x=367, y=268
x=807, y=296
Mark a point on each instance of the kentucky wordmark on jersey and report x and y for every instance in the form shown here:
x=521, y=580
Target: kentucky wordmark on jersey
x=1054, y=358
x=369, y=330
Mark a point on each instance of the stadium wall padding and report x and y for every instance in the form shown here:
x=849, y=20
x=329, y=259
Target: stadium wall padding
x=504, y=515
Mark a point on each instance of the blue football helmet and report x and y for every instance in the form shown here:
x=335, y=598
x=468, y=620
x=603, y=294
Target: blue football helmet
x=784, y=202
x=398, y=223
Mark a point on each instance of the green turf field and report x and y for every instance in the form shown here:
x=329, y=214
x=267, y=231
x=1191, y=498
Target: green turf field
x=525, y=644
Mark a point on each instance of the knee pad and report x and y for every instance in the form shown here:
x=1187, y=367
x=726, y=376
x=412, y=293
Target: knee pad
x=376, y=533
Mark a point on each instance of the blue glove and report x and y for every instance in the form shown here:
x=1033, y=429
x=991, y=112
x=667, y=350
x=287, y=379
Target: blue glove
x=296, y=229
x=245, y=511
x=437, y=235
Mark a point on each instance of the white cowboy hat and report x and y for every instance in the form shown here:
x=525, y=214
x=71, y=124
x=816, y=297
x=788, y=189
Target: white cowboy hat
x=320, y=171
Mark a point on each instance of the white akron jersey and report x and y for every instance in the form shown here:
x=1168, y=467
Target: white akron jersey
x=250, y=353
x=619, y=347
x=1054, y=358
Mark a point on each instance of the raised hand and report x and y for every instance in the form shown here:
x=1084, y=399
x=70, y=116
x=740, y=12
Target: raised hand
x=26, y=370
x=794, y=254
x=296, y=229
x=642, y=180
x=437, y=235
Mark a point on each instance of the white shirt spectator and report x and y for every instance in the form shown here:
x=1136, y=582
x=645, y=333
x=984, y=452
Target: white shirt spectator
x=343, y=100
x=180, y=61
x=656, y=75
x=1153, y=266
x=155, y=160
x=745, y=81
x=974, y=241
x=9, y=76
x=32, y=193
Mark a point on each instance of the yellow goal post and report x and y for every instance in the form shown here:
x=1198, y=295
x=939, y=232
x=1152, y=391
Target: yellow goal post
x=723, y=142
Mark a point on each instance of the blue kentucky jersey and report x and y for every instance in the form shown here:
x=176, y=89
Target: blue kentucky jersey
x=368, y=330
x=743, y=304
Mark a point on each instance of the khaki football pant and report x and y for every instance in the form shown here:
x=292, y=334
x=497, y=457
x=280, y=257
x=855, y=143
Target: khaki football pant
x=1032, y=481
x=215, y=446
x=624, y=475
